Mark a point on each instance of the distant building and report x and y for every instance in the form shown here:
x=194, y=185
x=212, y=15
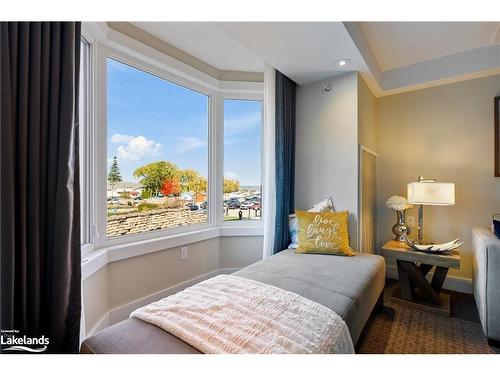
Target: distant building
x=186, y=197
x=131, y=187
x=194, y=197
x=200, y=197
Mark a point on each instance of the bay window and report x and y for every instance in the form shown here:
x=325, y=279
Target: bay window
x=164, y=151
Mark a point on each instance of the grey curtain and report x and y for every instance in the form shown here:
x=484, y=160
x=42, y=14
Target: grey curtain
x=40, y=209
x=285, y=157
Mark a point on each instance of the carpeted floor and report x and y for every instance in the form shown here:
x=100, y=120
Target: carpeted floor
x=406, y=330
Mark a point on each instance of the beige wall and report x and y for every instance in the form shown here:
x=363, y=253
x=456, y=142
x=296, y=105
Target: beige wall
x=125, y=281
x=444, y=132
x=326, y=154
x=95, y=298
x=137, y=277
x=238, y=252
x=367, y=116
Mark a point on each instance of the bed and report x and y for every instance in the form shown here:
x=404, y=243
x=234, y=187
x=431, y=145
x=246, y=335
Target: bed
x=350, y=286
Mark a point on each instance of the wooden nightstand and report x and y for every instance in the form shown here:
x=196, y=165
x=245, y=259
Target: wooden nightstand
x=413, y=266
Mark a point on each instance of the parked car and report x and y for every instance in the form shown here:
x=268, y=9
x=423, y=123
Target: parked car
x=247, y=205
x=256, y=206
x=203, y=206
x=115, y=200
x=234, y=204
x=193, y=206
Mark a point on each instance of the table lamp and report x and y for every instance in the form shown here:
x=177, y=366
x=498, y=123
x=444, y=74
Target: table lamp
x=429, y=192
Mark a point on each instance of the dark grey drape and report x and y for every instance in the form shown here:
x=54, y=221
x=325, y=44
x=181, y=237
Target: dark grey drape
x=40, y=209
x=285, y=157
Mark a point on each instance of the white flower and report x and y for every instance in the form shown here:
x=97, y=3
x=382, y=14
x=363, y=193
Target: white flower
x=398, y=203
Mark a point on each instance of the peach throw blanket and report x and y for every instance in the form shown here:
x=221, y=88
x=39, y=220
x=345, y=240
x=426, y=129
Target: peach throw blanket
x=231, y=314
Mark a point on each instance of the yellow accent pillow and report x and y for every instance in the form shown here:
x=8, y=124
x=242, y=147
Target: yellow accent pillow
x=323, y=233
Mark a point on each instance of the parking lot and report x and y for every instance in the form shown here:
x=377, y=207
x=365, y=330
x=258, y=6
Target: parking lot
x=232, y=214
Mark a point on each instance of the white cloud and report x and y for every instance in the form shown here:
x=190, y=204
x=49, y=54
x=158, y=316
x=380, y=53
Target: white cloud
x=121, y=138
x=231, y=175
x=136, y=148
x=185, y=144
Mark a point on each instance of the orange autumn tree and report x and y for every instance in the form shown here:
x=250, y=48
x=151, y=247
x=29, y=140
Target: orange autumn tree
x=171, y=187
x=176, y=186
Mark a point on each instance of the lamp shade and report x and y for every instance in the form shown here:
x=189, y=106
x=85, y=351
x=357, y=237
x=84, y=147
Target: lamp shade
x=431, y=193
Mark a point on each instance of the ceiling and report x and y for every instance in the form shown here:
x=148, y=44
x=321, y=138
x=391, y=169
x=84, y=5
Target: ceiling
x=391, y=56
x=206, y=42
x=304, y=51
x=398, y=44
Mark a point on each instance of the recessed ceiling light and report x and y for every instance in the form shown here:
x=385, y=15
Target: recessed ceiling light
x=343, y=62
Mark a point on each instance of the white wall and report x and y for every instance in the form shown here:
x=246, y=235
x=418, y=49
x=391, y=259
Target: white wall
x=326, y=159
x=114, y=291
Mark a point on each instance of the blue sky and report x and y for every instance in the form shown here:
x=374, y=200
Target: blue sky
x=151, y=119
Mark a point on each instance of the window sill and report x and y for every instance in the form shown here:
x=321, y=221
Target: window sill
x=93, y=261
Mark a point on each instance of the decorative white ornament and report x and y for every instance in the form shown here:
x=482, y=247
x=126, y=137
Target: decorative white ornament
x=398, y=203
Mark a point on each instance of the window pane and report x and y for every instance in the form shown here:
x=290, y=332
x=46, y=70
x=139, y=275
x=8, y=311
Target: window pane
x=157, y=153
x=242, y=160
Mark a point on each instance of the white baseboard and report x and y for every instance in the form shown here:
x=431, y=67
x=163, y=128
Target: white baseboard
x=455, y=283
x=227, y=271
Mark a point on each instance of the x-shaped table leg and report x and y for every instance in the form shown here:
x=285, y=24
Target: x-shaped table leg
x=411, y=275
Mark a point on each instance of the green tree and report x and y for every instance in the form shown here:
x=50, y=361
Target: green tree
x=153, y=175
x=192, y=180
x=230, y=186
x=114, y=175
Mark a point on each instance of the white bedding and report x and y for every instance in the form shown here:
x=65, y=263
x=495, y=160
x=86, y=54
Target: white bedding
x=231, y=314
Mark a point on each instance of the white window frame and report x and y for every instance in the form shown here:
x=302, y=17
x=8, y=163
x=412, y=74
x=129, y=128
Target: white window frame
x=102, y=240
x=87, y=151
x=237, y=95
x=106, y=43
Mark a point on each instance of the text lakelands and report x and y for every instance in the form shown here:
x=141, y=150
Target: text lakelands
x=24, y=340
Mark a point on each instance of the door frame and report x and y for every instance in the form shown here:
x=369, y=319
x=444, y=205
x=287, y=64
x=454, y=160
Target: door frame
x=363, y=148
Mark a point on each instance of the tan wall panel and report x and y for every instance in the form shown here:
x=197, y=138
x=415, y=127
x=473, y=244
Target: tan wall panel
x=367, y=116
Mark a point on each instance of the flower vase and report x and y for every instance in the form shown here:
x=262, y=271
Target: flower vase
x=400, y=229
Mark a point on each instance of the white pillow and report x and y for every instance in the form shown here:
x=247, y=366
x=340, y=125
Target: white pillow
x=323, y=206
x=293, y=226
